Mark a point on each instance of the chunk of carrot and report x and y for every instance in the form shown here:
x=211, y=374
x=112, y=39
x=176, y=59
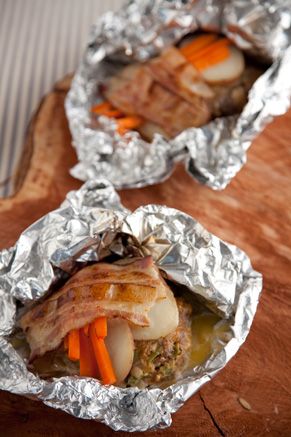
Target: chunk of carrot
x=208, y=50
x=101, y=107
x=100, y=327
x=107, y=109
x=86, y=329
x=215, y=58
x=198, y=43
x=126, y=123
x=122, y=130
x=88, y=364
x=113, y=113
x=102, y=357
x=74, y=345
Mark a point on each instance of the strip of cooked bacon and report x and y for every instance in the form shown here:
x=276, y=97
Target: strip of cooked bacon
x=172, y=70
x=128, y=291
x=136, y=92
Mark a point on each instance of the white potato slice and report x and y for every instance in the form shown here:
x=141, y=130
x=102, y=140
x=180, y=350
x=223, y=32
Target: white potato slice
x=120, y=346
x=164, y=319
x=227, y=70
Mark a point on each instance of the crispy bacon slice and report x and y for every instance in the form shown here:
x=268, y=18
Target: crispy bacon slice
x=172, y=70
x=134, y=91
x=128, y=291
x=127, y=89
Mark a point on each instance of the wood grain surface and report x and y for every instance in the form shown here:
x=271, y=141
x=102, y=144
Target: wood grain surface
x=252, y=395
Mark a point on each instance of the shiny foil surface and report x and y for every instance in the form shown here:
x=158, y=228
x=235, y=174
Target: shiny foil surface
x=89, y=226
x=214, y=153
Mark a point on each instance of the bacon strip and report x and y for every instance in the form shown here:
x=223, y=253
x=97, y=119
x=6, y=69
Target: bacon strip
x=172, y=70
x=128, y=291
x=136, y=92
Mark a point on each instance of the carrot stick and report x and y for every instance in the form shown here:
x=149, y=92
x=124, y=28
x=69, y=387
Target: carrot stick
x=100, y=327
x=113, y=113
x=126, y=123
x=198, y=43
x=122, y=130
x=88, y=365
x=215, y=58
x=86, y=329
x=129, y=122
x=101, y=107
x=74, y=345
x=106, y=109
x=102, y=357
x=208, y=50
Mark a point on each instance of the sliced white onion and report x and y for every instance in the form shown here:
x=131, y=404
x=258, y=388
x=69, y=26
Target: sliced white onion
x=164, y=319
x=120, y=346
x=227, y=70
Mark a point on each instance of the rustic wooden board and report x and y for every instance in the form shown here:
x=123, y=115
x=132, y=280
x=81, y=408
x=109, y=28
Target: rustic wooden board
x=253, y=213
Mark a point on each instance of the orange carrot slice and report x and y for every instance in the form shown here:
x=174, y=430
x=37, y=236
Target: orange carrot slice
x=198, y=43
x=106, y=109
x=126, y=123
x=215, y=58
x=88, y=365
x=208, y=50
x=102, y=357
x=86, y=329
x=101, y=107
x=100, y=327
x=129, y=122
x=113, y=113
x=122, y=130
x=74, y=345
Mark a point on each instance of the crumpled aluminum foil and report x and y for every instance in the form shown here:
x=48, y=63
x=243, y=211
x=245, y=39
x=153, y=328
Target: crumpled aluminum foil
x=213, y=153
x=89, y=226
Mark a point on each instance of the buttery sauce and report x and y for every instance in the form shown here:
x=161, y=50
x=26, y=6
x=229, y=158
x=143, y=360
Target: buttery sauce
x=209, y=334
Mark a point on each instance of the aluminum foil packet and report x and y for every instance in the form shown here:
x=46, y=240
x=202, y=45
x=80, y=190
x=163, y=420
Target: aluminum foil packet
x=214, y=153
x=88, y=226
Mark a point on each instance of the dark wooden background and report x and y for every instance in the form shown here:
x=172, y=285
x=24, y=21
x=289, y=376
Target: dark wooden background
x=252, y=395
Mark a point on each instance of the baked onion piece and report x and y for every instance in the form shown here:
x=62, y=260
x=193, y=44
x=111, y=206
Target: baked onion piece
x=120, y=346
x=164, y=319
x=226, y=71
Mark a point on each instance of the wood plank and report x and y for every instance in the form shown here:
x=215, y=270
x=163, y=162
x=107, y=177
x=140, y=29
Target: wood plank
x=253, y=212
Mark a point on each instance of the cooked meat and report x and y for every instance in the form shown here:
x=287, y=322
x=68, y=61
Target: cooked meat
x=160, y=360
x=172, y=70
x=232, y=97
x=171, y=112
x=128, y=89
x=128, y=291
x=135, y=92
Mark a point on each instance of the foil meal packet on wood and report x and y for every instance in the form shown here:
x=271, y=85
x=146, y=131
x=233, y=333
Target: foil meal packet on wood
x=141, y=31
x=91, y=225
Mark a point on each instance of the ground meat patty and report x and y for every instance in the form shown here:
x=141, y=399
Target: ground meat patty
x=231, y=98
x=156, y=361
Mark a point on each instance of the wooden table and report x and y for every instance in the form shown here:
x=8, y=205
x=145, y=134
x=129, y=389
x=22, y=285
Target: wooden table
x=252, y=395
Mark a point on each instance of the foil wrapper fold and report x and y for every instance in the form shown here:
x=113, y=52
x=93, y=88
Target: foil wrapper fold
x=90, y=225
x=214, y=153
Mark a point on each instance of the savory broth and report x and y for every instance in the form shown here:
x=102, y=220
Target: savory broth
x=209, y=335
